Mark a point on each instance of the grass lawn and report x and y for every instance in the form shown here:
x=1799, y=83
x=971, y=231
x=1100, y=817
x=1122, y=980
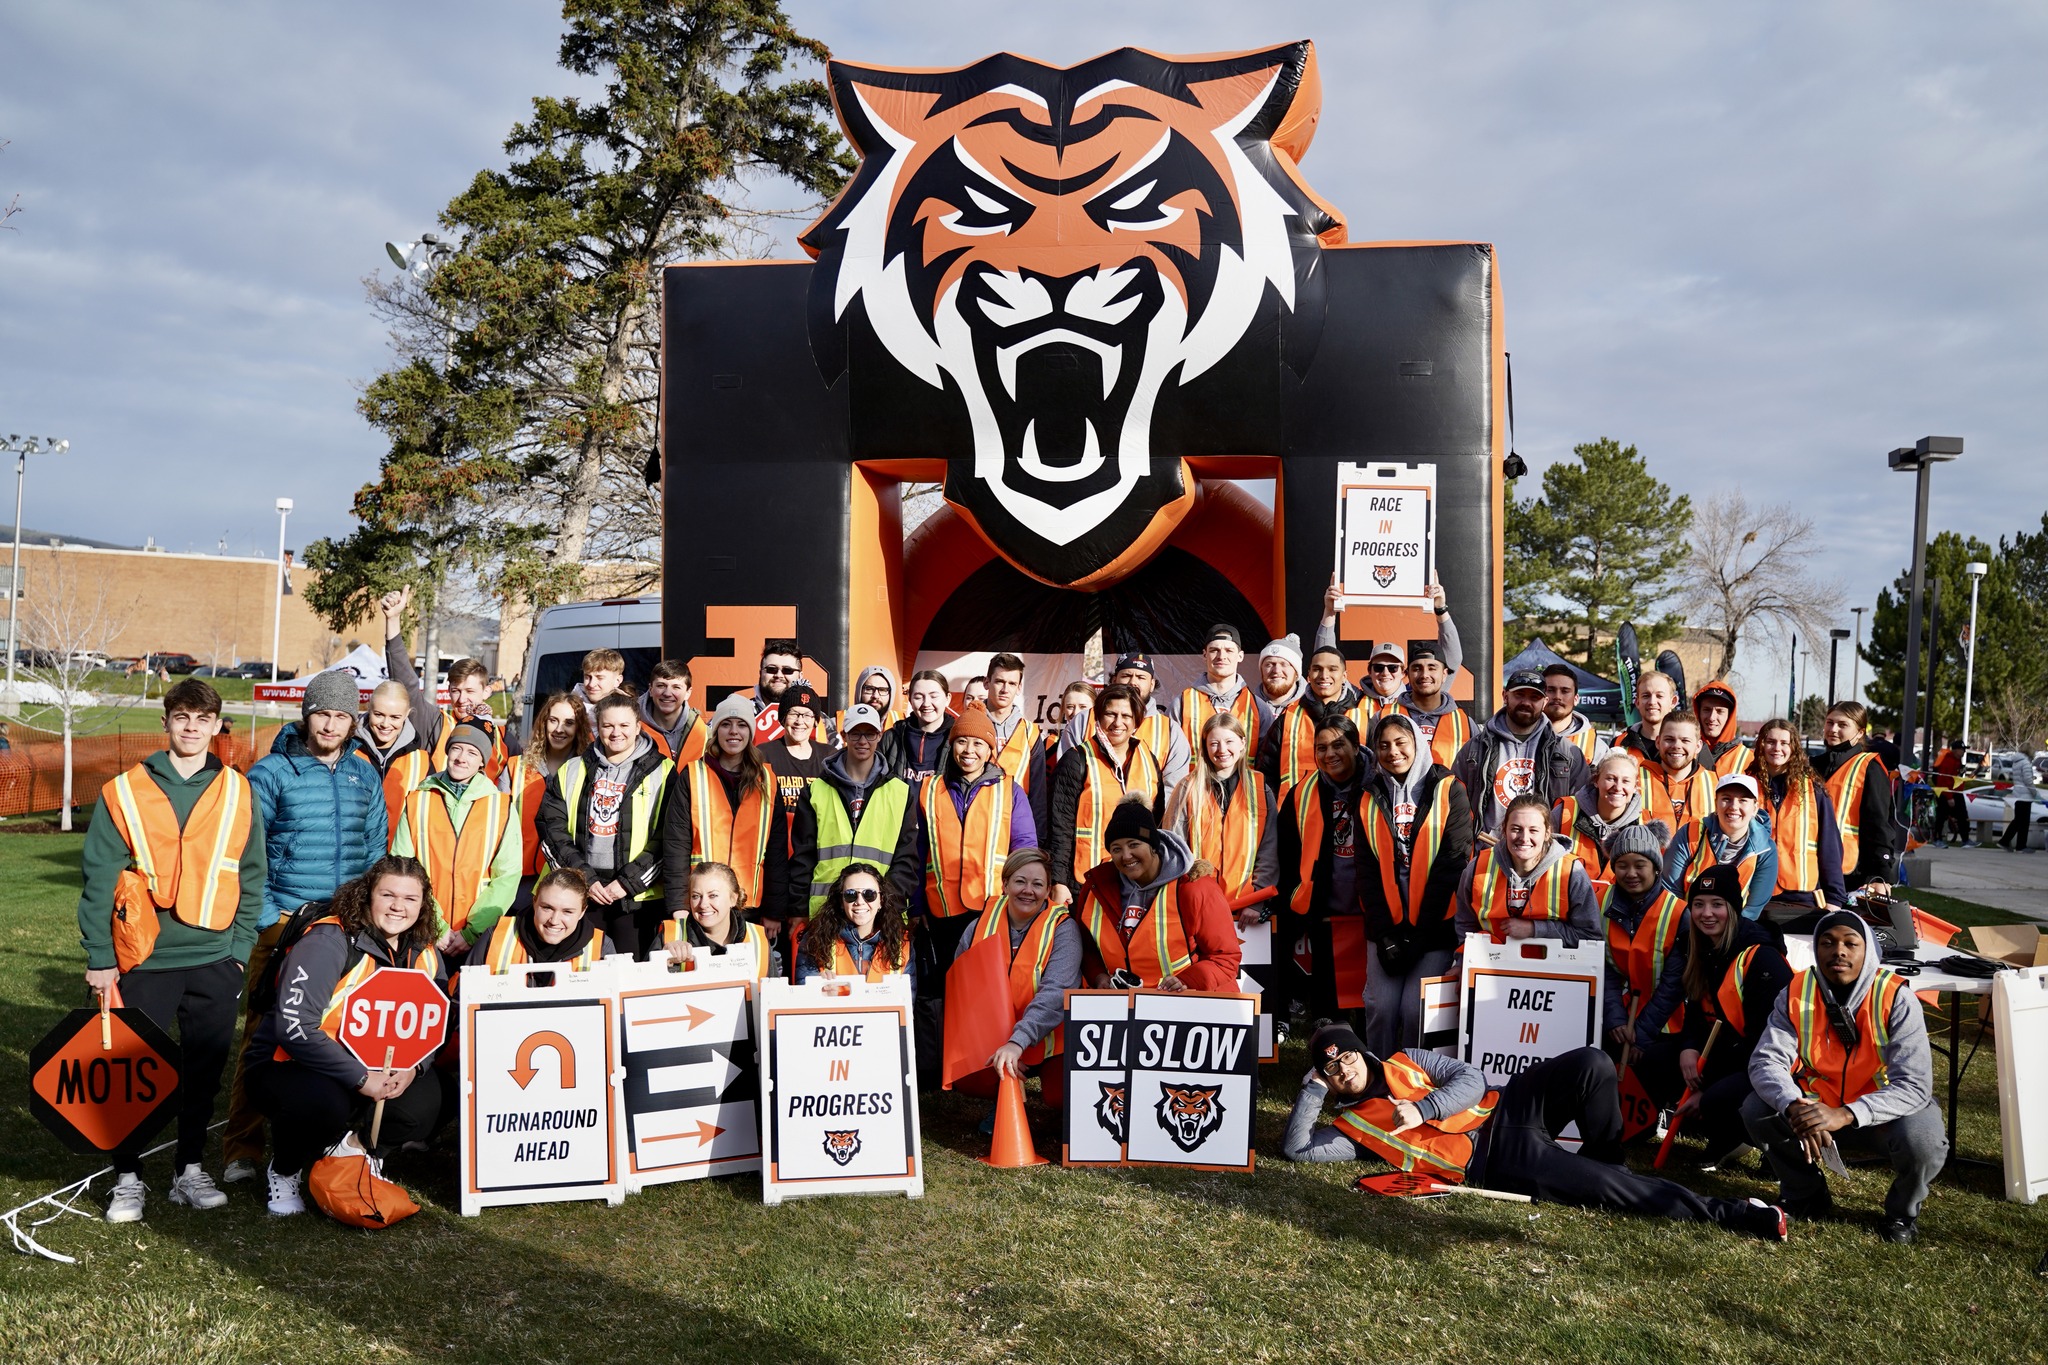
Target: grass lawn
x=1286, y=1264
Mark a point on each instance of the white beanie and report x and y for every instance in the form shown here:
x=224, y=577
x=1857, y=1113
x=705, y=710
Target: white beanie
x=1287, y=647
x=736, y=706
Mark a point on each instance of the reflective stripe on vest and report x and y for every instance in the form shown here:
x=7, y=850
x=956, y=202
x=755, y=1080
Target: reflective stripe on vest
x=1729, y=1005
x=1155, y=732
x=1586, y=739
x=1845, y=789
x=1092, y=811
x=1014, y=758
x=719, y=834
x=1196, y=706
x=504, y=951
x=1585, y=848
x=209, y=846
x=1639, y=957
x=672, y=932
x=693, y=742
x=964, y=869
x=878, y=967
x=1441, y=1149
x=1660, y=804
x=1795, y=829
x=1549, y=896
x=1702, y=857
x=529, y=785
x=843, y=841
x=1825, y=1069
x=1447, y=733
x=1229, y=836
x=494, y=761
x=1158, y=946
x=1297, y=744
x=458, y=863
x=427, y=959
x=407, y=771
x=1027, y=965
x=1308, y=823
x=1386, y=851
x=572, y=774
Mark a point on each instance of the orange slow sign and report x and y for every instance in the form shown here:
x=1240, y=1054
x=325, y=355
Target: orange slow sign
x=95, y=1097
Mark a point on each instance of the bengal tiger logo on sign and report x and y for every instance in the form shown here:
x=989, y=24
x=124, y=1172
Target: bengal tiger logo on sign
x=1109, y=1110
x=1190, y=1113
x=843, y=1147
x=1051, y=251
x=1383, y=574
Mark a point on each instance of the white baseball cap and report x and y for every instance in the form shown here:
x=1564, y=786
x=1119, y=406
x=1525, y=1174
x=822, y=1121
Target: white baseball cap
x=859, y=715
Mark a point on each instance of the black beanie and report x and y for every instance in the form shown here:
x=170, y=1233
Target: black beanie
x=1333, y=1040
x=1719, y=880
x=1131, y=820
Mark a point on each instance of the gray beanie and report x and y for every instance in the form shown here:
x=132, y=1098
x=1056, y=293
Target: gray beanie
x=1287, y=647
x=334, y=690
x=1646, y=838
x=475, y=736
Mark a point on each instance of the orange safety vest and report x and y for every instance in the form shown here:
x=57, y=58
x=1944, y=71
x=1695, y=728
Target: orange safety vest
x=529, y=785
x=1228, y=835
x=427, y=959
x=494, y=761
x=1297, y=744
x=1826, y=1069
x=1795, y=829
x=1158, y=946
x=1014, y=758
x=1196, y=706
x=458, y=864
x=1441, y=1149
x=693, y=742
x=1447, y=733
x=1660, y=804
x=1639, y=958
x=720, y=835
x=1737, y=760
x=1027, y=965
x=503, y=950
x=1386, y=851
x=964, y=870
x=1845, y=789
x=1702, y=857
x=1155, y=733
x=209, y=846
x=1584, y=847
x=878, y=967
x=1586, y=741
x=1549, y=897
x=1727, y=1003
x=1092, y=811
x=1308, y=823
x=407, y=771
x=757, y=939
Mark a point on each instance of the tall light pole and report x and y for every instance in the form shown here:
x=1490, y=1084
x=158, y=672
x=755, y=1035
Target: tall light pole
x=284, y=510
x=1856, y=657
x=23, y=447
x=1976, y=569
x=1918, y=459
x=420, y=260
x=1835, y=638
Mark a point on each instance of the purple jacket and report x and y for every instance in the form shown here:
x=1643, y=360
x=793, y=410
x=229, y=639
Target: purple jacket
x=1023, y=829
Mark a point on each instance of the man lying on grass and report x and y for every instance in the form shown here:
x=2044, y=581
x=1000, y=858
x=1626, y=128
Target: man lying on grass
x=1433, y=1115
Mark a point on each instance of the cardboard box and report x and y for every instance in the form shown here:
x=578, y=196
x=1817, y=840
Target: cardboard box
x=2023, y=945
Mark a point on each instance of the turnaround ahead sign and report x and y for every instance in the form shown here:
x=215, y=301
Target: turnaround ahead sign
x=1160, y=1078
x=838, y=1089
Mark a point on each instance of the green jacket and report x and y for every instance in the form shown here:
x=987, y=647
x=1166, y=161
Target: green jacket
x=178, y=945
x=503, y=884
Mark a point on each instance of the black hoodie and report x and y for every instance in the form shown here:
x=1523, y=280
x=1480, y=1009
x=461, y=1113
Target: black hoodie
x=1766, y=979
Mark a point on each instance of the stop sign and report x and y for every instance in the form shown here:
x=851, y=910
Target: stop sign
x=396, y=1008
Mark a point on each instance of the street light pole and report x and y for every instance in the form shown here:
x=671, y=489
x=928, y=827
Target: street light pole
x=1856, y=657
x=1918, y=459
x=284, y=510
x=1835, y=638
x=23, y=447
x=1976, y=569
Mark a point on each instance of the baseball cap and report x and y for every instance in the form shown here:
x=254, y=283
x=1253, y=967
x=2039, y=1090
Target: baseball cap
x=1387, y=649
x=1424, y=649
x=859, y=715
x=1739, y=781
x=1139, y=662
x=1524, y=680
x=1223, y=631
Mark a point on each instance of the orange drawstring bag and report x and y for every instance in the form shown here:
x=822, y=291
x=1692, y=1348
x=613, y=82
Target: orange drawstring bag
x=349, y=1191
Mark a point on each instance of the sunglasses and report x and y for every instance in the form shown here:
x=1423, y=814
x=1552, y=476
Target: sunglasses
x=866, y=895
x=781, y=670
x=1386, y=668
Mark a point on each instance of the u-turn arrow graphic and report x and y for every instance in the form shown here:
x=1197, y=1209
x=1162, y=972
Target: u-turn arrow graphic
x=523, y=1069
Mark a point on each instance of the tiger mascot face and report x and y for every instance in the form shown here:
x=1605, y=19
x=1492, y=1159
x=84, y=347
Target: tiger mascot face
x=1190, y=1113
x=1052, y=248
x=1109, y=1110
x=843, y=1147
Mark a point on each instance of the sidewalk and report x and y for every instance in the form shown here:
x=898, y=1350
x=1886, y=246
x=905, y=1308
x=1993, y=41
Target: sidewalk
x=1990, y=876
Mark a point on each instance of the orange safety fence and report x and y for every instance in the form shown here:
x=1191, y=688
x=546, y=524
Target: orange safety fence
x=32, y=767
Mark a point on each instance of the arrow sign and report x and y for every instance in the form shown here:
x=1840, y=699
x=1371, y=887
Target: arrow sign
x=523, y=1070
x=716, y=1075
x=705, y=1131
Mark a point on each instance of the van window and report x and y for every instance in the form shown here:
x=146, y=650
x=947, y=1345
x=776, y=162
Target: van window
x=563, y=672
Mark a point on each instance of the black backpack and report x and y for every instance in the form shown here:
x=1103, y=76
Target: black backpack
x=263, y=995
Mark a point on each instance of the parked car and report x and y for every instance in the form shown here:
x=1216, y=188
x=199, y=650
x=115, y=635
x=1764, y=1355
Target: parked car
x=168, y=662
x=258, y=669
x=90, y=659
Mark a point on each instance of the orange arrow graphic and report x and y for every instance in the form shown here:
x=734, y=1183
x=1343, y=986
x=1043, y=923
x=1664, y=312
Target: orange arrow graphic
x=706, y=1131
x=697, y=1016
x=523, y=1069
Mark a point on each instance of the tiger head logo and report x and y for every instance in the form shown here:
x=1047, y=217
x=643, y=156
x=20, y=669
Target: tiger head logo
x=1190, y=1113
x=842, y=1147
x=1109, y=1110
x=1052, y=248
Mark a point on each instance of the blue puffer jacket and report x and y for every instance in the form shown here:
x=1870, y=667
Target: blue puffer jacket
x=321, y=825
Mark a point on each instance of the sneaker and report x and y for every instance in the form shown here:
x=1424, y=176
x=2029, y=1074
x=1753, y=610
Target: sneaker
x=1281, y=1033
x=196, y=1188
x=125, y=1204
x=237, y=1171
x=1900, y=1230
x=1663, y=1124
x=1717, y=1157
x=1772, y=1224
x=285, y=1199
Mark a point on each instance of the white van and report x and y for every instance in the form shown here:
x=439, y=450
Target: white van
x=563, y=635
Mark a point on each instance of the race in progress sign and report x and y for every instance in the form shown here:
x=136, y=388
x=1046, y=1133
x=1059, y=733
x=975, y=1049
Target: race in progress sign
x=539, y=1108
x=1528, y=1000
x=838, y=1089
x=1386, y=534
x=95, y=1097
x=689, y=1106
x=1160, y=1078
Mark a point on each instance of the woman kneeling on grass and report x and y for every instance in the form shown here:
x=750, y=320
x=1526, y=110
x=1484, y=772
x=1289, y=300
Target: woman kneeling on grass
x=311, y=1088
x=861, y=930
x=1432, y=1115
x=555, y=928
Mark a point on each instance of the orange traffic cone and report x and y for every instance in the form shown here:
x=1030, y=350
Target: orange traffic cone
x=1012, y=1147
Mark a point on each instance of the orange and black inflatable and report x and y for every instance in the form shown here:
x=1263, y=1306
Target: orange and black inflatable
x=1089, y=301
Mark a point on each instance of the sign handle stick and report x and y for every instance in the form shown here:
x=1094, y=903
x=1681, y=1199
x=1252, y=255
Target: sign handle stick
x=1505, y=1196
x=377, y=1116
x=1678, y=1115
x=106, y=1023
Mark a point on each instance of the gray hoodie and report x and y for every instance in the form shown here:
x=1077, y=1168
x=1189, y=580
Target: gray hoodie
x=600, y=849
x=1908, y=1062
x=671, y=735
x=1487, y=815
x=383, y=757
x=1174, y=860
x=1582, y=915
x=875, y=671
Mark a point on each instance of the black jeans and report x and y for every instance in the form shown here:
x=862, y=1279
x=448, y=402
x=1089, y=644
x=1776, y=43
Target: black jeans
x=935, y=942
x=204, y=1003
x=1951, y=811
x=310, y=1112
x=1519, y=1151
x=635, y=926
x=2015, y=836
x=1718, y=1116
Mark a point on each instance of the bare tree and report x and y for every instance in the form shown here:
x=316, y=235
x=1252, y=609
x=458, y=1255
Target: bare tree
x=1748, y=571
x=2015, y=712
x=68, y=628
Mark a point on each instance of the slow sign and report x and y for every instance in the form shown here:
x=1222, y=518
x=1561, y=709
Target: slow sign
x=95, y=1097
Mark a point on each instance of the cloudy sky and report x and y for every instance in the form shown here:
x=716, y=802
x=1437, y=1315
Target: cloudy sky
x=1763, y=242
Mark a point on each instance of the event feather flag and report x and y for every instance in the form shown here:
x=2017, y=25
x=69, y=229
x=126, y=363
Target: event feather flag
x=979, y=1016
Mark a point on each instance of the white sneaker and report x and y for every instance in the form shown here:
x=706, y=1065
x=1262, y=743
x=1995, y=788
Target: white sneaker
x=285, y=1199
x=237, y=1172
x=196, y=1188
x=125, y=1204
